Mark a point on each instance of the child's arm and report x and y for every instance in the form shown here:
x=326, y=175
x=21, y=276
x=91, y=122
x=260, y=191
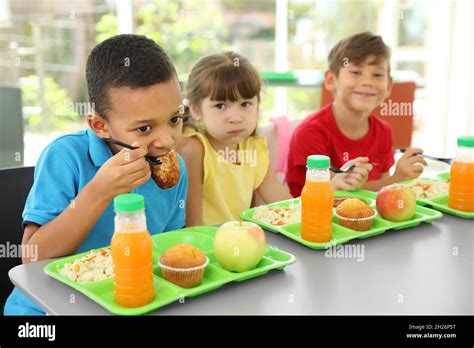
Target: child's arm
x=65, y=233
x=192, y=152
x=376, y=185
x=407, y=168
x=271, y=190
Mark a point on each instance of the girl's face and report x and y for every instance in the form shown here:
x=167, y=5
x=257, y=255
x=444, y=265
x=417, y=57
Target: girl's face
x=229, y=122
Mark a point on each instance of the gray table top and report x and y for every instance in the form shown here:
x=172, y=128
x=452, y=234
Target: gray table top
x=422, y=270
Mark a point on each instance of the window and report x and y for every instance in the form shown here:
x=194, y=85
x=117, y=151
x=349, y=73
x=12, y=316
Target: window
x=44, y=47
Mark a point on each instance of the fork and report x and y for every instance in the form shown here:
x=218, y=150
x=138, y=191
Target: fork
x=154, y=161
x=440, y=159
x=347, y=170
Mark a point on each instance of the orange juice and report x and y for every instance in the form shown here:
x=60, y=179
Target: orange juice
x=132, y=258
x=461, y=186
x=131, y=250
x=317, y=200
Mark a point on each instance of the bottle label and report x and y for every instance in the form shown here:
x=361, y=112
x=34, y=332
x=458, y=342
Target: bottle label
x=465, y=155
x=318, y=175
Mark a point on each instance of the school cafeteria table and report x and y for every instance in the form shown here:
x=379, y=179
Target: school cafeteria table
x=422, y=270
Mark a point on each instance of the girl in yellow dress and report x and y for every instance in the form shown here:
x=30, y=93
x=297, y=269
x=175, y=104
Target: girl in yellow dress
x=227, y=163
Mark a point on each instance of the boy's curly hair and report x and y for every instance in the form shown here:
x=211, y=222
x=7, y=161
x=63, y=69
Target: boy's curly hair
x=125, y=60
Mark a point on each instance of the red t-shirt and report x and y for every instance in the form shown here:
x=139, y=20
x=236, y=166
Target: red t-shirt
x=319, y=134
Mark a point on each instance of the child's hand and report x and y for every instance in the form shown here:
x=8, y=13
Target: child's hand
x=407, y=167
x=122, y=173
x=355, y=178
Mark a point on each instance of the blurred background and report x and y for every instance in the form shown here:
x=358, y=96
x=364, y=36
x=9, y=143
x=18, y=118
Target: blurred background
x=44, y=47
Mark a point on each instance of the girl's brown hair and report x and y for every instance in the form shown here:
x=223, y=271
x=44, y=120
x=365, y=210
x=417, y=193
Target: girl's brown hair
x=222, y=76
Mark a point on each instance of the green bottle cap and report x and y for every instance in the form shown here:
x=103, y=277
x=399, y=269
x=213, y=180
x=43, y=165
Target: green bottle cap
x=466, y=141
x=129, y=203
x=317, y=162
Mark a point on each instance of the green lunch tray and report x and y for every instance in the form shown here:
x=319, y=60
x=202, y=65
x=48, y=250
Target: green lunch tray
x=441, y=202
x=443, y=176
x=341, y=234
x=166, y=292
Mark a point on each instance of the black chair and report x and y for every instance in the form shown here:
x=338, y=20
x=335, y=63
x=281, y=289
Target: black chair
x=15, y=184
x=11, y=131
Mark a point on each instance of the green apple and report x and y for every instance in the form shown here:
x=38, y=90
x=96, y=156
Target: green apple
x=239, y=245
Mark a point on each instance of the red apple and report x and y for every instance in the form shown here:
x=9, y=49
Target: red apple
x=239, y=245
x=396, y=203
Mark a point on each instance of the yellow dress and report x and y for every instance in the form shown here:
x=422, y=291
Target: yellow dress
x=227, y=188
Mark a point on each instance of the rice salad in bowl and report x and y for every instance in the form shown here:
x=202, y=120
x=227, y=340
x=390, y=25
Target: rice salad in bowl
x=91, y=268
x=426, y=188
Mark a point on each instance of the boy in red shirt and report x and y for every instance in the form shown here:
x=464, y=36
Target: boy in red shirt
x=359, y=79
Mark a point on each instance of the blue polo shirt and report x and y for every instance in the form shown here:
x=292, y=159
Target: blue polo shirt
x=63, y=169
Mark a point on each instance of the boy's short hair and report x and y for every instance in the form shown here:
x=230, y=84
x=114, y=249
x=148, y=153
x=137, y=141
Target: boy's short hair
x=356, y=48
x=125, y=60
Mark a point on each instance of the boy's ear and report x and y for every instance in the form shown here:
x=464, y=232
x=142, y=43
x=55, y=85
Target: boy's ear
x=329, y=81
x=98, y=124
x=389, y=88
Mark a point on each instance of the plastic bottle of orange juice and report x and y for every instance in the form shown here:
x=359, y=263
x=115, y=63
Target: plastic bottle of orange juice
x=131, y=250
x=461, y=186
x=317, y=200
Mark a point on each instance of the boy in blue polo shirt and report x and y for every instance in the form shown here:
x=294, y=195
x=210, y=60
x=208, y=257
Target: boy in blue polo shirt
x=136, y=99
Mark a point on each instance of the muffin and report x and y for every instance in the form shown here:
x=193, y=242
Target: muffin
x=183, y=265
x=167, y=173
x=339, y=200
x=355, y=214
